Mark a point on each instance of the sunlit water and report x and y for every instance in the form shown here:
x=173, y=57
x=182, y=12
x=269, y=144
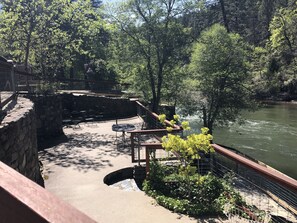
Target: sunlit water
x=268, y=135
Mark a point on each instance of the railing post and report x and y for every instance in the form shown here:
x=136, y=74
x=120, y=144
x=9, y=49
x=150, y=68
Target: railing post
x=147, y=160
x=138, y=148
x=0, y=102
x=212, y=163
x=12, y=74
x=132, y=147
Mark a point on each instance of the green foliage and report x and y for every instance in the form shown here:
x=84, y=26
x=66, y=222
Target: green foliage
x=196, y=196
x=148, y=46
x=283, y=29
x=283, y=46
x=266, y=24
x=51, y=35
x=220, y=68
x=249, y=18
x=188, y=149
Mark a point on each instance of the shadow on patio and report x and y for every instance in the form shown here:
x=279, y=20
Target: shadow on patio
x=83, y=151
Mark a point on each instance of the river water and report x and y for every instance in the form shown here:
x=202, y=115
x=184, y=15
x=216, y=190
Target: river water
x=268, y=135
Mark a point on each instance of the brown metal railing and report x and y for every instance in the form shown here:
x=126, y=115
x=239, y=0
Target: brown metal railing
x=260, y=186
x=22, y=200
x=147, y=115
x=156, y=130
x=267, y=172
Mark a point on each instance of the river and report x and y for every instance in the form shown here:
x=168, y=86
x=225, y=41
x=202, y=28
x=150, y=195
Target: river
x=268, y=135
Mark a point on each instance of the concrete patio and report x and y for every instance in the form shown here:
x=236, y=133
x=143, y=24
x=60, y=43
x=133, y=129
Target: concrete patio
x=74, y=168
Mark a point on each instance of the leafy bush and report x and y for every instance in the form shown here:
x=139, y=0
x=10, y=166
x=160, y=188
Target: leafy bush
x=179, y=188
x=195, y=195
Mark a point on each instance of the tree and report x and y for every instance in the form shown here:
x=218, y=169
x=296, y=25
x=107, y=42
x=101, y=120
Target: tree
x=51, y=35
x=149, y=43
x=283, y=48
x=19, y=20
x=219, y=67
x=283, y=30
x=249, y=18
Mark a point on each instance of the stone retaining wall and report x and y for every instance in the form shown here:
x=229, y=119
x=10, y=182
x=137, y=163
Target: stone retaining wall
x=48, y=111
x=18, y=141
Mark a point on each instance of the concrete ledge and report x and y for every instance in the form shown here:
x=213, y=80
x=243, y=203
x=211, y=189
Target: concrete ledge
x=119, y=175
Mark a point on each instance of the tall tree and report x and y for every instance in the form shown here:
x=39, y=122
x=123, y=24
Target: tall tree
x=219, y=66
x=152, y=40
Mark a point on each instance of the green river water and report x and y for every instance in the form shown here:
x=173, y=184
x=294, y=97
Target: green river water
x=268, y=135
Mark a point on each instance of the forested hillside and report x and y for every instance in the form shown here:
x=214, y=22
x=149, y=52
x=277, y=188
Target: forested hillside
x=269, y=26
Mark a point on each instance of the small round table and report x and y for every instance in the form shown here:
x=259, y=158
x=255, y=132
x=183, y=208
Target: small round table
x=123, y=128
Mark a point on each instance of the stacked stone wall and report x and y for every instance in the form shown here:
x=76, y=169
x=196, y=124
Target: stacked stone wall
x=18, y=140
x=48, y=111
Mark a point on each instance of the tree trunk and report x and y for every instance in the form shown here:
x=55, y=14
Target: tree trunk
x=155, y=100
x=204, y=117
x=159, y=87
x=71, y=76
x=226, y=24
x=155, y=105
x=27, y=52
x=207, y=122
x=27, y=59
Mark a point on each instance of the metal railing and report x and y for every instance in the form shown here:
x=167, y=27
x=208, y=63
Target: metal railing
x=270, y=195
x=7, y=85
x=152, y=131
x=151, y=119
x=261, y=186
x=33, y=83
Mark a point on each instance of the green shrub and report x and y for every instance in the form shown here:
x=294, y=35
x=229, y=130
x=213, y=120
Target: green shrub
x=179, y=188
x=194, y=195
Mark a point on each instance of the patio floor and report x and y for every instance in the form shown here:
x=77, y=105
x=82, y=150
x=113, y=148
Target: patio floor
x=74, y=168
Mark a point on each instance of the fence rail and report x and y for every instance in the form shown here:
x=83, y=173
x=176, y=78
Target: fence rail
x=270, y=191
x=261, y=186
x=22, y=200
x=152, y=129
x=34, y=83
